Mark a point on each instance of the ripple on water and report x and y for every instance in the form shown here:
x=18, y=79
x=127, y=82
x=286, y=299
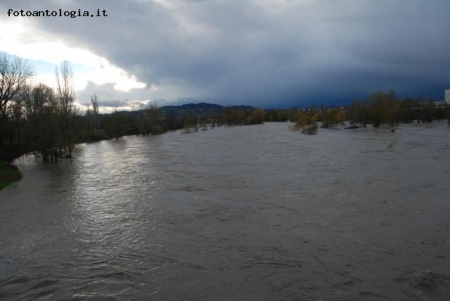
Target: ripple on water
x=248, y=213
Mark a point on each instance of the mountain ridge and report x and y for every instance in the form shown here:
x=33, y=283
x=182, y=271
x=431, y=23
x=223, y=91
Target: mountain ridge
x=200, y=109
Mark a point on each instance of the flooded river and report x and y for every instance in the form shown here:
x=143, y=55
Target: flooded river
x=234, y=213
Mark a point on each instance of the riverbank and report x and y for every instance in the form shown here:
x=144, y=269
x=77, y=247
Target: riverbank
x=8, y=174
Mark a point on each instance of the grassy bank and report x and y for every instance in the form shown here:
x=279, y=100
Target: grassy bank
x=8, y=174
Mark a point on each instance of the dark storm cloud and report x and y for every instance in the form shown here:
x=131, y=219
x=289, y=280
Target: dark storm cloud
x=267, y=52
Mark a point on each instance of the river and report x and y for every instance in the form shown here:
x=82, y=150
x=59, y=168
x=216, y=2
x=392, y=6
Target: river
x=234, y=213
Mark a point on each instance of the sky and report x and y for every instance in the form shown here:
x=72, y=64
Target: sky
x=264, y=53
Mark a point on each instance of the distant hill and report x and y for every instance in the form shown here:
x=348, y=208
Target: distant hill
x=199, y=109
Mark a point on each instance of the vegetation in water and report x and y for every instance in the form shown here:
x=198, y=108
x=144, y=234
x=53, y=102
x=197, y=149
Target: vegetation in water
x=306, y=121
x=46, y=122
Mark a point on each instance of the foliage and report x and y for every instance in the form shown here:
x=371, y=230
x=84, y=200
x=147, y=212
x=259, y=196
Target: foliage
x=387, y=108
x=332, y=117
x=278, y=115
x=306, y=121
x=8, y=174
x=151, y=122
x=44, y=117
x=243, y=116
x=14, y=73
x=39, y=119
x=115, y=126
x=255, y=117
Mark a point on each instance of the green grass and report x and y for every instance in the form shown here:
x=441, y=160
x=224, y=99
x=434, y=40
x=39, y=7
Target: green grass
x=8, y=174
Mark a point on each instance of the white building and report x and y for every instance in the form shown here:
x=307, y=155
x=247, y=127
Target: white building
x=447, y=96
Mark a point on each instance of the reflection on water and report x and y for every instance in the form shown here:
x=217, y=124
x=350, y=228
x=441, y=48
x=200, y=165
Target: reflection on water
x=242, y=213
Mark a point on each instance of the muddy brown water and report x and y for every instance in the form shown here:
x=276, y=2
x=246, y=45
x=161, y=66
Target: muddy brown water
x=234, y=213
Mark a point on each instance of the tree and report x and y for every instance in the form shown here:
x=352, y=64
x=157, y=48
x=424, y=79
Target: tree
x=406, y=110
x=230, y=116
x=189, y=122
x=392, y=107
x=428, y=111
x=115, y=125
x=95, y=113
x=14, y=123
x=378, y=107
x=89, y=120
x=418, y=108
x=282, y=115
x=14, y=73
x=92, y=115
x=306, y=121
x=150, y=122
x=448, y=114
x=331, y=117
x=256, y=117
x=66, y=96
x=43, y=118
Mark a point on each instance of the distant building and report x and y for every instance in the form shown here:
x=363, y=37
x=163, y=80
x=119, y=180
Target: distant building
x=447, y=96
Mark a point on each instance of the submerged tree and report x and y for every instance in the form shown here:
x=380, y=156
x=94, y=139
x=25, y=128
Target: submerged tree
x=332, y=117
x=151, y=122
x=115, y=126
x=378, y=106
x=230, y=116
x=392, y=107
x=43, y=133
x=406, y=110
x=255, y=117
x=189, y=122
x=94, y=120
x=428, y=111
x=65, y=94
x=306, y=121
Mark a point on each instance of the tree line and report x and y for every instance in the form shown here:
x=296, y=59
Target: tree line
x=379, y=108
x=150, y=120
x=35, y=118
x=386, y=108
x=46, y=121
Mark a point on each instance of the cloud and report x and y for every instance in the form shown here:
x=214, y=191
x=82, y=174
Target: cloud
x=263, y=52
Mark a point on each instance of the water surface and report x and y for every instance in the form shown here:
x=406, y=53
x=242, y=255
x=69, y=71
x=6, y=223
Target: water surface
x=239, y=213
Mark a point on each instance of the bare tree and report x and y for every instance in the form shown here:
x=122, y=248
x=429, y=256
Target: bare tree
x=14, y=73
x=95, y=106
x=64, y=89
x=66, y=96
